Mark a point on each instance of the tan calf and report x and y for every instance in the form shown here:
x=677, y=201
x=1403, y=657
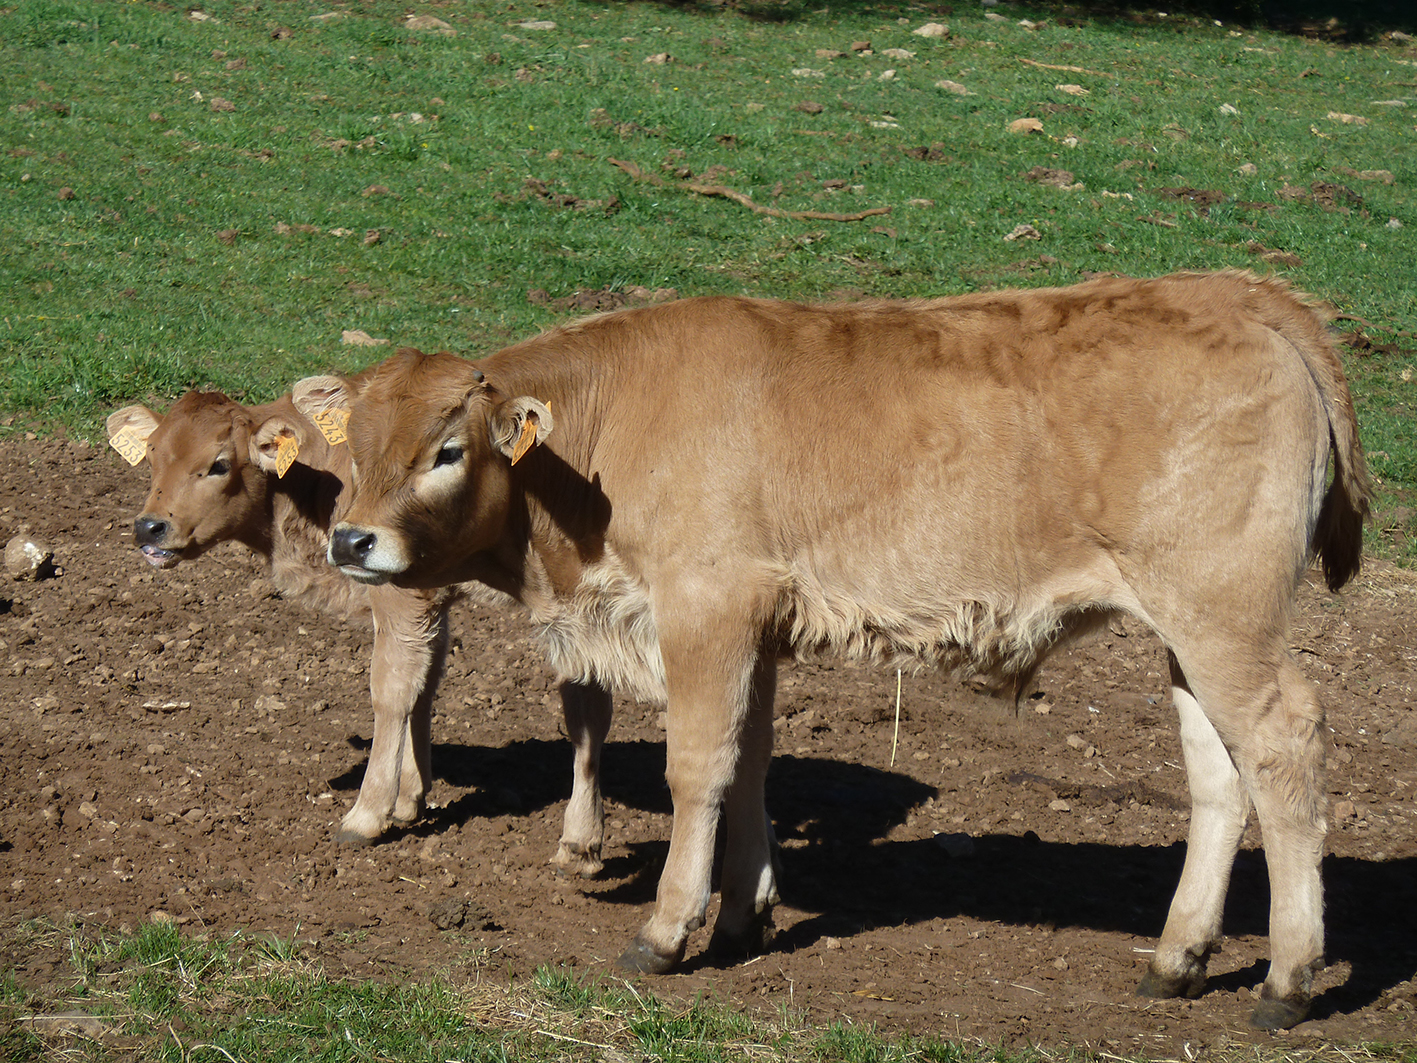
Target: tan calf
x=963, y=482
x=215, y=479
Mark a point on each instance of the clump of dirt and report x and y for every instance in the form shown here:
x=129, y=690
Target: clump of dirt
x=180, y=745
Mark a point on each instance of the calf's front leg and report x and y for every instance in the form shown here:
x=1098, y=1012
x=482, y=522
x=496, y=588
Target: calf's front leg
x=709, y=694
x=587, y=710
x=410, y=647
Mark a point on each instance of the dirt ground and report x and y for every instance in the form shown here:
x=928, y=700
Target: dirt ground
x=180, y=745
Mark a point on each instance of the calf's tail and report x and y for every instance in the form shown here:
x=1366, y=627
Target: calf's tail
x=1338, y=534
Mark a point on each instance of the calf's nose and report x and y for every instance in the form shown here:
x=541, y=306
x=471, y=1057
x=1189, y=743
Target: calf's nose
x=149, y=531
x=351, y=546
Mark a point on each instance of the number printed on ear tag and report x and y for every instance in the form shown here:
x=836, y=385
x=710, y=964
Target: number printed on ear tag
x=132, y=446
x=332, y=425
x=286, y=450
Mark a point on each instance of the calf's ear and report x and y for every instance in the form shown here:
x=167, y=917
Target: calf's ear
x=325, y=400
x=519, y=424
x=128, y=431
x=274, y=445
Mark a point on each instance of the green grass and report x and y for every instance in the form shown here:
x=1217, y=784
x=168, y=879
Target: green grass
x=149, y=243
x=158, y=995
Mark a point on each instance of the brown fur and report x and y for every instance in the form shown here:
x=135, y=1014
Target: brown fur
x=286, y=520
x=961, y=482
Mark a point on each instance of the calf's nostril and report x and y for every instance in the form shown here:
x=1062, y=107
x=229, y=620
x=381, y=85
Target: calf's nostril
x=352, y=546
x=149, y=531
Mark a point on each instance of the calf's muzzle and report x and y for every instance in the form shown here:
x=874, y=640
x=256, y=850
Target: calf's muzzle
x=352, y=545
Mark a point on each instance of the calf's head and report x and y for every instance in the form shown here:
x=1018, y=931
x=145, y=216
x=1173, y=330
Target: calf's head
x=432, y=444
x=211, y=462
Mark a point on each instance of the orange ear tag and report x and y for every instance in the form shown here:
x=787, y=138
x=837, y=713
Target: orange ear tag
x=286, y=450
x=526, y=441
x=132, y=446
x=332, y=425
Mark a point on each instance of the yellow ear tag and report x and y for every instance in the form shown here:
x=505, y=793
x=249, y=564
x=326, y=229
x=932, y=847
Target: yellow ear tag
x=332, y=425
x=132, y=446
x=286, y=450
x=526, y=441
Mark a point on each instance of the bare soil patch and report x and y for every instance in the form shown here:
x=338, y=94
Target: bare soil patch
x=184, y=743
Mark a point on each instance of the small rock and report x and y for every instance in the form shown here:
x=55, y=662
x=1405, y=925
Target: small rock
x=832, y=943
x=958, y=846
x=428, y=22
x=160, y=917
x=1024, y=232
x=1393, y=223
x=1345, y=812
x=537, y=24
x=1060, y=806
x=1403, y=733
x=932, y=29
x=953, y=86
x=360, y=338
x=68, y=1023
x=1249, y=169
x=27, y=560
x=1229, y=108
x=449, y=913
x=454, y=912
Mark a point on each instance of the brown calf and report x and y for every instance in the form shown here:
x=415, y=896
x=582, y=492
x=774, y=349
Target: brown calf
x=963, y=482
x=215, y=479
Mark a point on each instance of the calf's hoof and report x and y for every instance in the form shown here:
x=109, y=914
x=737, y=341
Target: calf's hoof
x=353, y=839
x=572, y=861
x=1166, y=986
x=1273, y=1013
x=402, y=822
x=639, y=958
x=755, y=940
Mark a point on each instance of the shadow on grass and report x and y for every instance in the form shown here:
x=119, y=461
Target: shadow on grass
x=1353, y=22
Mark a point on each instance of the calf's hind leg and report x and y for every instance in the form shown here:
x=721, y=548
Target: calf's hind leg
x=750, y=867
x=1285, y=777
x=1219, y=809
x=1268, y=718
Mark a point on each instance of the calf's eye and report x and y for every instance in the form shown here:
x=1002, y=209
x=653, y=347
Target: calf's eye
x=448, y=454
x=220, y=467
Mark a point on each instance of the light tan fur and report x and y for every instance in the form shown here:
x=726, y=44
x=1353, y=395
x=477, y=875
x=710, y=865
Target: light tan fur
x=286, y=520
x=962, y=482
